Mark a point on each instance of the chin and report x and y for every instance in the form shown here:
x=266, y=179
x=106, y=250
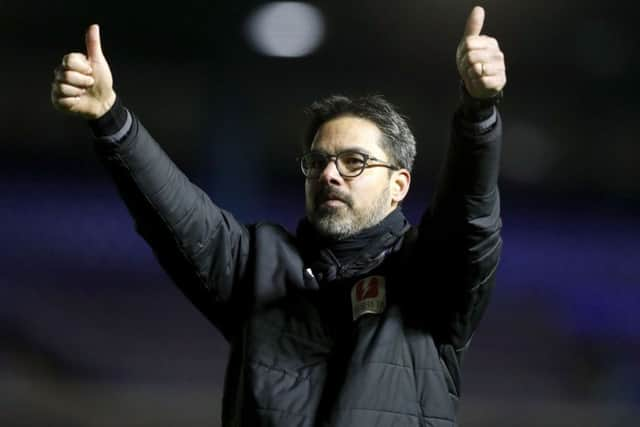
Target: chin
x=331, y=225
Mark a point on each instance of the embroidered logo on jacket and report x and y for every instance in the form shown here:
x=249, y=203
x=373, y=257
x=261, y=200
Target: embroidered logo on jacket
x=368, y=296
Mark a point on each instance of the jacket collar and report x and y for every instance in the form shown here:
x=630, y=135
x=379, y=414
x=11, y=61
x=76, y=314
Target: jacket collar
x=332, y=259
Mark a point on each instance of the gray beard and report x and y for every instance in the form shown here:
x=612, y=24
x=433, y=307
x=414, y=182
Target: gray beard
x=342, y=222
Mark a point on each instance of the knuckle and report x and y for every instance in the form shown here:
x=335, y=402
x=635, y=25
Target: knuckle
x=77, y=60
x=470, y=58
x=75, y=56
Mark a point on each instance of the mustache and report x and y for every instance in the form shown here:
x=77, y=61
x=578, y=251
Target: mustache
x=329, y=193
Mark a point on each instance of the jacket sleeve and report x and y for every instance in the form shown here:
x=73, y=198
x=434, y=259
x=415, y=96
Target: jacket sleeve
x=202, y=247
x=460, y=232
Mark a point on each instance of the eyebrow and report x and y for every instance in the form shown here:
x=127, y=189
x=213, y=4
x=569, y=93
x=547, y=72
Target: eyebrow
x=356, y=149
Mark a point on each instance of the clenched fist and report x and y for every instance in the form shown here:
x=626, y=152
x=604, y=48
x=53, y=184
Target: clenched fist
x=479, y=59
x=82, y=84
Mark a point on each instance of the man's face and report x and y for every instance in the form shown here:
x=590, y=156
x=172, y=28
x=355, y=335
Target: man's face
x=340, y=207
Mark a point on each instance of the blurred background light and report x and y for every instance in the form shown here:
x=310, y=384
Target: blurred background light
x=285, y=29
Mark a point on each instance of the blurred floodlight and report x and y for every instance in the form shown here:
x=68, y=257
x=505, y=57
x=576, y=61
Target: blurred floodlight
x=285, y=29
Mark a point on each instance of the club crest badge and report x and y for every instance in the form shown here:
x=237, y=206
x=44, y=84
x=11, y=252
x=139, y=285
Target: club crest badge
x=368, y=296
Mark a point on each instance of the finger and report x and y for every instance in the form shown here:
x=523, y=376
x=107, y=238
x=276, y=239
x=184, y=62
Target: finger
x=73, y=78
x=93, y=44
x=65, y=90
x=494, y=83
x=474, y=22
x=77, y=62
x=474, y=71
x=65, y=103
x=493, y=68
x=480, y=69
x=478, y=43
x=484, y=55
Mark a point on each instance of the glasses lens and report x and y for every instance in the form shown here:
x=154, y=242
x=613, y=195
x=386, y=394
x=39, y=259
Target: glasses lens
x=351, y=163
x=313, y=164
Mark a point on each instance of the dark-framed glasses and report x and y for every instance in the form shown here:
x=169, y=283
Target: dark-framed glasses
x=349, y=163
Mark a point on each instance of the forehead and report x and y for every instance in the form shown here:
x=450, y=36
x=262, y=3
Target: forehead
x=349, y=133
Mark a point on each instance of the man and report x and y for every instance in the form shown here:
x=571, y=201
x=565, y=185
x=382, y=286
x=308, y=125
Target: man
x=360, y=319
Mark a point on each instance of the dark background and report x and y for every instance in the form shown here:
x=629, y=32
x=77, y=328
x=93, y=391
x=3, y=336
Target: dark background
x=93, y=332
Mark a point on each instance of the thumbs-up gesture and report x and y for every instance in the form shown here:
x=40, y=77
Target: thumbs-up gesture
x=479, y=59
x=82, y=84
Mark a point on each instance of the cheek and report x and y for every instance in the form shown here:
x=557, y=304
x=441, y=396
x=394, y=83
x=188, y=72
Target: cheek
x=363, y=194
x=370, y=195
x=308, y=191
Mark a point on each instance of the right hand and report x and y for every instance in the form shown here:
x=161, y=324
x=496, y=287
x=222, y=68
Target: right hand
x=479, y=59
x=82, y=84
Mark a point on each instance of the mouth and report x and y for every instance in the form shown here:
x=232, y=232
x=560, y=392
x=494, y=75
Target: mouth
x=332, y=200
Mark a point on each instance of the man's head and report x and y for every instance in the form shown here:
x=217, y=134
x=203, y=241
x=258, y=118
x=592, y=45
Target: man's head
x=369, y=177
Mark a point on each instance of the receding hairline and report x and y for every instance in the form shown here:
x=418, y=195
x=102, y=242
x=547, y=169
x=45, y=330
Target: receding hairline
x=397, y=141
x=379, y=141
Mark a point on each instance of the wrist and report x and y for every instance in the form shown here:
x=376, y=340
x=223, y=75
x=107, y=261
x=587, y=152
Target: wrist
x=477, y=109
x=111, y=121
x=108, y=104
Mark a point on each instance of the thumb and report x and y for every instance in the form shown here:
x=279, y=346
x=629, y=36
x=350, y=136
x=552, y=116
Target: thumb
x=92, y=41
x=474, y=22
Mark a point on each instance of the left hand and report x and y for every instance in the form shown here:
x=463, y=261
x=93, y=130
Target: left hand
x=479, y=59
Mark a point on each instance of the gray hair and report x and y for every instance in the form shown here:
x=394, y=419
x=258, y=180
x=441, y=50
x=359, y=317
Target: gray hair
x=397, y=141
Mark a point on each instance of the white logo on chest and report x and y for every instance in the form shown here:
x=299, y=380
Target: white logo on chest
x=368, y=296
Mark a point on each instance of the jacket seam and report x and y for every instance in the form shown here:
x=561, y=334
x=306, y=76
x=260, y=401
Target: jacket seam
x=291, y=373
x=394, y=365
x=487, y=277
x=168, y=226
x=386, y=411
x=488, y=252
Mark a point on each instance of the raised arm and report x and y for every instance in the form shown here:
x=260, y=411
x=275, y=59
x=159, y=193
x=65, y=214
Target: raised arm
x=461, y=229
x=202, y=247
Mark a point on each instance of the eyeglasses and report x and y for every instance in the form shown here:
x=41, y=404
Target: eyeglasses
x=348, y=163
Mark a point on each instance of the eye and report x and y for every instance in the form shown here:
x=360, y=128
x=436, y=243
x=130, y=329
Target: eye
x=315, y=161
x=352, y=161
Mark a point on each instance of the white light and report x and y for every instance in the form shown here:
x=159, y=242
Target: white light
x=285, y=29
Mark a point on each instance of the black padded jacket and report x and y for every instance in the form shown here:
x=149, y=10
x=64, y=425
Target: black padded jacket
x=313, y=343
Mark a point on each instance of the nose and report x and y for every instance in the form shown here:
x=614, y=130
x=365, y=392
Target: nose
x=330, y=173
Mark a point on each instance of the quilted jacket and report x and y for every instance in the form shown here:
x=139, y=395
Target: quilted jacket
x=378, y=342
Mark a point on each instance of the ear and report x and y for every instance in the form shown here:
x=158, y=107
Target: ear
x=400, y=181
